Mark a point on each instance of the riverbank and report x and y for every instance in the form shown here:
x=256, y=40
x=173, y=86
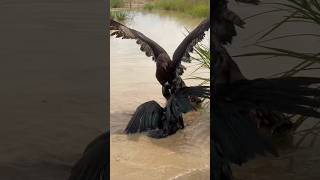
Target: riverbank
x=193, y=8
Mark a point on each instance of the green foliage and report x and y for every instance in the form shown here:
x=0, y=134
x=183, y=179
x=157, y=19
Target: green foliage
x=202, y=62
x=297, y=11
x=116, y=3
x=119, y=15
x=201, y=10
x=148, y=6
x=196, y=8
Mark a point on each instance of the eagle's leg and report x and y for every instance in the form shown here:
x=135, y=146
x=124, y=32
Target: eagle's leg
x=180, y=123
x=166, y=92
x=174, y=128
x=177, y=83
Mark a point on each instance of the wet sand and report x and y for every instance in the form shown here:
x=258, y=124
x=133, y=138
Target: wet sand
x=53, y=85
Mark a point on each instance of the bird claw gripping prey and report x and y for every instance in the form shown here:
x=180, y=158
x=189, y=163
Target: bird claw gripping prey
x=180, y=70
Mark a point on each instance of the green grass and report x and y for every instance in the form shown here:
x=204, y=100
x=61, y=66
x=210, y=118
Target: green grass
x=119, y=15
x=202, y=61
x=196, y=8
x=149, y=6
x=117, y=3
x=200, y=10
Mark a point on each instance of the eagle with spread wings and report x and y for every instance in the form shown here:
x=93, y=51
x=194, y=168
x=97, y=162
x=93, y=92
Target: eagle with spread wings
x=168, y=71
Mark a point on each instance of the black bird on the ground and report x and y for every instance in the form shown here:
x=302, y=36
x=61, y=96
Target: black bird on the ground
x=168, y=71
x=94, y=163
x=242, y=107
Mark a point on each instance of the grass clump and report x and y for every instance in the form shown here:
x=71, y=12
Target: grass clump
x=148, y=6
x=202, y=60
x=119, y=15
x=196, y=8
x=117, y=3
x=201, y=10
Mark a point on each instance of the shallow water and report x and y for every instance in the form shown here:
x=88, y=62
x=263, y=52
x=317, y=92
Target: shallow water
x=184, y=155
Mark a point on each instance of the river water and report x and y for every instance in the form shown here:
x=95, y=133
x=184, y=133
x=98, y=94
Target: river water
x=184, y=155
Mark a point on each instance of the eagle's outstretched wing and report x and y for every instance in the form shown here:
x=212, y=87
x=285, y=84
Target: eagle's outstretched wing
x=187, y=45
x=147, y=45
x=147, y=116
